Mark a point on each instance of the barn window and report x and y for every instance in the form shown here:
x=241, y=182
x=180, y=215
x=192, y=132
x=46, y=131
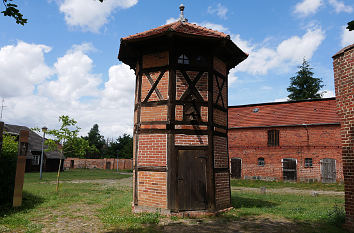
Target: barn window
x=308, y=162
x=273, y=137
x=261, y=162
x=35, y=160
x=183, y=59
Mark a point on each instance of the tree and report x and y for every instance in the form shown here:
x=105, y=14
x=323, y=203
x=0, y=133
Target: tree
x=303, y=85
x=11, y=10
x=351, y=25
x=9, y=147
x=66, y=139
x=123, y=146
x=95, y=139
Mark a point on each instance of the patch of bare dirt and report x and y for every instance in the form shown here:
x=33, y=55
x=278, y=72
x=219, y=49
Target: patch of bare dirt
x=250, y=224
x=71, y=218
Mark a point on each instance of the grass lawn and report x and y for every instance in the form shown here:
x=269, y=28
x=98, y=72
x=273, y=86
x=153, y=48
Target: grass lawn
x=100, y=201
x=276, y=184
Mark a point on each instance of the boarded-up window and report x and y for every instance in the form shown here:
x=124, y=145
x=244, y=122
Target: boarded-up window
x=273, y=137
x=308, y=162
x=261, y=162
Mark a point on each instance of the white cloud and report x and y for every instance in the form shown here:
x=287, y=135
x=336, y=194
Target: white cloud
x=22, y=66
x=72, y=90
x=171, y=20
x=74, y=77
x=217, y=27
x=282, y=99
x=91, y=15
x=340, y=6
x=327, y=94
x=288, y=53
x=219, y=10
x=266, y=88
x=307, y=7
x=347, y=37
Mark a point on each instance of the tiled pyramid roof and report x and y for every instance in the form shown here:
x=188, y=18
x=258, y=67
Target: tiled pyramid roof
x=343, y=50
x=321, y=111
x=181, y=27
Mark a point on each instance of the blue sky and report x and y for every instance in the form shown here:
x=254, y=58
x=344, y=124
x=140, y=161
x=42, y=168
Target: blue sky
x=64, y=61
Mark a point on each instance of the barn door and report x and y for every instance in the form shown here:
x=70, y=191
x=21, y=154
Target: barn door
x=236, y=168
x=328, y=170
x=289, y=170
x=191, y=179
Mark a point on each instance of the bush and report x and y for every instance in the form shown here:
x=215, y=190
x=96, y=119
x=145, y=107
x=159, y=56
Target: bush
x=336, y=215
x=8, y=162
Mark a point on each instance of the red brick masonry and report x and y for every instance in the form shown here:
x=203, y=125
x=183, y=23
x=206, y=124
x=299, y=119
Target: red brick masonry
x=307, y=130
x=343, y=65
x=111, y=163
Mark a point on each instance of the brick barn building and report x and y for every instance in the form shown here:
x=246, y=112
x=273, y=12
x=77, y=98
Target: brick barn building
x=295, y=140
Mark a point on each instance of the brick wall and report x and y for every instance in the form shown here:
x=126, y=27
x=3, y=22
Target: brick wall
x=222, y=190
x=343, y=65
x=316, y=142
x=152, y=150
x=152, y=190
x=123, y=164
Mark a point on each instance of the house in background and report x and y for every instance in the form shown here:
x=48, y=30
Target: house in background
x=51, y=159
x=295, y=140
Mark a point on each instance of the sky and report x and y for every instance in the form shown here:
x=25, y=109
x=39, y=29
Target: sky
x=64, y=60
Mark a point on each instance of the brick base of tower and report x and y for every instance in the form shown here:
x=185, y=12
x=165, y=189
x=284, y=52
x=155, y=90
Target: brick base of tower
x=343, y=64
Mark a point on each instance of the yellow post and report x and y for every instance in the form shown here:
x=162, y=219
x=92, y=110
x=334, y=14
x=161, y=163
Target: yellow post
x=58, y=175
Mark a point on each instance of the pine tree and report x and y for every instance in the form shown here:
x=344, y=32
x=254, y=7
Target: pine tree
x=304, y=85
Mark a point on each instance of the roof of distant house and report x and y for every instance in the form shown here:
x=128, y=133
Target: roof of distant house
x=305, y=112
x=34, y=142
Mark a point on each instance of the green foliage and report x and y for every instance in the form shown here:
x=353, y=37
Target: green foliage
x=336, y=215
x=303, y=85
x=8, y=162
x=123, y=146
x=9, y=146
x=67, y=136
x=351, y=25
x=96, y=142
x=12, y=11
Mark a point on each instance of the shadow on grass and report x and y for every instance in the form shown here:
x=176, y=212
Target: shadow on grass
x=242, y=202
x=29, y=201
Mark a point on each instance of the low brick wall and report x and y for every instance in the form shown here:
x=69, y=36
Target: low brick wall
x=107, y=164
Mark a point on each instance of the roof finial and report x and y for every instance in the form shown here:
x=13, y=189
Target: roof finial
x=181, y=16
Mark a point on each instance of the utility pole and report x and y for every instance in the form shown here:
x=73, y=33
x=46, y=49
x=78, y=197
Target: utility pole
x=2, y=107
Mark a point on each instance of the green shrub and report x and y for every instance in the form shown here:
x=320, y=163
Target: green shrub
x=8, y=162
x=336, y=215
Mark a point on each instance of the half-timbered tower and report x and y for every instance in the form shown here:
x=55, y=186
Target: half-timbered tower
x=180, y=118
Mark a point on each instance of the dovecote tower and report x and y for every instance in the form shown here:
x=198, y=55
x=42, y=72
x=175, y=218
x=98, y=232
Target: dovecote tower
x=180, y=116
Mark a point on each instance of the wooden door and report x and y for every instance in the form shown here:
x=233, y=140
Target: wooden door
x=289, y=170
x=328, y=170
x=108, y=165
x=71, y=164
x=236, y=168
x=191, y=180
